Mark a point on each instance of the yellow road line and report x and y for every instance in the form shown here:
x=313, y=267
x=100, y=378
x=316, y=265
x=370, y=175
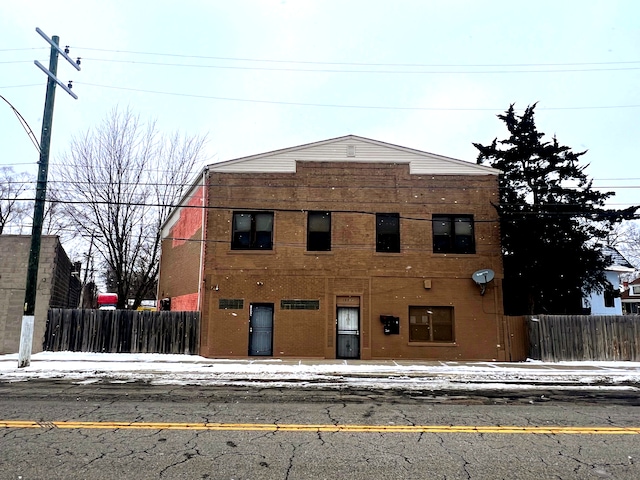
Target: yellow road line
x=269, y=427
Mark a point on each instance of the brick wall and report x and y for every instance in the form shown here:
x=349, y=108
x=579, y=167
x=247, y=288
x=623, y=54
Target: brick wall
x=385, y=283
x=181, y=252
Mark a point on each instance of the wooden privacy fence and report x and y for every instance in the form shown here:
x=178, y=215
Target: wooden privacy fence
x=122, y=331
x=554, y=338
x=517, y=339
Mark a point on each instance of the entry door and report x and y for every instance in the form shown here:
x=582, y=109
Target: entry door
x=348, y=334
x=261, y=330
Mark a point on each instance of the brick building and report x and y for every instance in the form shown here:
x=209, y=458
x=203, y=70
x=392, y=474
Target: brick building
x=57, y=287
x=344, y=248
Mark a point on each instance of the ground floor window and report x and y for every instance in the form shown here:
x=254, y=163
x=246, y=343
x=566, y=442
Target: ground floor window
x=431, y=324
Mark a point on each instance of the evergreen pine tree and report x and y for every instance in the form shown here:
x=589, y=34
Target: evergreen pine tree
x=553, y=223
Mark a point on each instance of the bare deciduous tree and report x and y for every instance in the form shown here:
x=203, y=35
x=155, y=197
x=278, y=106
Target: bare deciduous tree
x=628, y=243
x=13, y=208
x=120, y=181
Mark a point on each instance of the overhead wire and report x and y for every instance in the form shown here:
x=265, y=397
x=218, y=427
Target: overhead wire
x=326, y=70
x=21, y=86
x=419, y=247
x=21, y=49
x=368, y=64
x=276, y=209
x=427, y=187
x=24, y=123
x=340, y=63
x=331, y=105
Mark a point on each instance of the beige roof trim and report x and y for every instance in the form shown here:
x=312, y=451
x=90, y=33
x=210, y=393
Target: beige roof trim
x=284, y=160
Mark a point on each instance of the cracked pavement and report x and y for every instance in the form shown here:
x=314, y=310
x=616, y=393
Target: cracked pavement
x=110, y=453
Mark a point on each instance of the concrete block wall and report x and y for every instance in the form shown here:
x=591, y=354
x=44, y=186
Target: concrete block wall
x=52, y=268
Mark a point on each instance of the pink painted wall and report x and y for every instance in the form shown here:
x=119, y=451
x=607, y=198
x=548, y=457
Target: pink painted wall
x=185, y=303
x=190, y=219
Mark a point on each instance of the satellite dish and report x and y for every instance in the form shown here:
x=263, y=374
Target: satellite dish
x=482, y=277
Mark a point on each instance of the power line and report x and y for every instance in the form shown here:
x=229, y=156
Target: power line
x=329, y=105
x=21, y=49
x=325, y=70
x=377, y=186
x=406, y=247
x=616, y=179
x=426, y=186
x=24, y=123
x=297, y=210
x=325, y=105
x=307, y=62
x=14, y=164
x=21, y=86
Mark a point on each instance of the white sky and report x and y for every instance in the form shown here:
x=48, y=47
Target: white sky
x=581, y=62
x=89, y=367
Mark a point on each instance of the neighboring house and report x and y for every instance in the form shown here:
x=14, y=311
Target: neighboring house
x=343, y=248
x=608, y=302
x=58, y=287
x=631, y=298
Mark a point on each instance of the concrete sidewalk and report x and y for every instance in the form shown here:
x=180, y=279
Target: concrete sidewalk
x=320, y=373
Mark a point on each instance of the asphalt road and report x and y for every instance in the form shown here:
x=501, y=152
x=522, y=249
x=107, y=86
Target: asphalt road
x=54, y=429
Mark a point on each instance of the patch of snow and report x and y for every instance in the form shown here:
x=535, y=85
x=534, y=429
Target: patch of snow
x=87, y=367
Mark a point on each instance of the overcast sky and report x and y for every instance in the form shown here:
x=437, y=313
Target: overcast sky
x=263, y=75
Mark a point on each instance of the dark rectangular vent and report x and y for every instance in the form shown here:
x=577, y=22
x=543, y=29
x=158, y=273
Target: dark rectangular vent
x=300, y=304
x=231, y=304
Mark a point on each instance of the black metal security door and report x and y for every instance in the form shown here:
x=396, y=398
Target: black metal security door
x=261, y=330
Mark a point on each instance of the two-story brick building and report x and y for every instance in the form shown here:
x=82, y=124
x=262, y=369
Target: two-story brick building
x=343, y=248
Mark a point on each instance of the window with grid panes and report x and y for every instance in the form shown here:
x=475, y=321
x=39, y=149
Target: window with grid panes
x=252, y=231
x=453, y=234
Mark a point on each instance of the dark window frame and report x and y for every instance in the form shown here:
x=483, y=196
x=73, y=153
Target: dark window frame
x=386, y=241
x=432, y=329
x=453, y=242
x=318, y=240
x=252, y=239
x=609, y=297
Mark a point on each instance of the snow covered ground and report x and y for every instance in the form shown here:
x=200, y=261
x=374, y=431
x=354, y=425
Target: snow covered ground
x=83, y=367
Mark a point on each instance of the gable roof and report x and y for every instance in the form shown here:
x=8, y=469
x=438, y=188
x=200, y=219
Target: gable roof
x=351, y=148
x=626, y=296
x=618, y=262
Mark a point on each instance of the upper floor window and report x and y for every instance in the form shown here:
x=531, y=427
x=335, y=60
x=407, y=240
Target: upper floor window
x=319, y=231
x=635, y=289
x=388, y=232
x=252, y=231
x=453, y=234
x=609, y=297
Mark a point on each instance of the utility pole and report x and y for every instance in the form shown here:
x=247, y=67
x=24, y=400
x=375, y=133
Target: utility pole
x=28, y=317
